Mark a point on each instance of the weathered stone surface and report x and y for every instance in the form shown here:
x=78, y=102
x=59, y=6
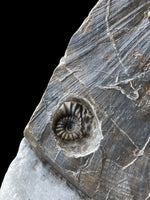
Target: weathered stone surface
x=107, y=63
x=29, y=179
x=105, y=73
x=106, y=68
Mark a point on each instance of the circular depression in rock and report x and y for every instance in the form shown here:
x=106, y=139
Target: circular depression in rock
x=76, y=128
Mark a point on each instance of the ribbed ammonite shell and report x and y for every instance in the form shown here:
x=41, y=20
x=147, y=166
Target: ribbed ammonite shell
x=72, y=121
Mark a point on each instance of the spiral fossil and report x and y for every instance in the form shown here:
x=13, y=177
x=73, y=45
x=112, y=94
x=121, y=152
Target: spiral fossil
x=72, y=121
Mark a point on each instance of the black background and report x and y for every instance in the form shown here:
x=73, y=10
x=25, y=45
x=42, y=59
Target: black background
x=34, y=38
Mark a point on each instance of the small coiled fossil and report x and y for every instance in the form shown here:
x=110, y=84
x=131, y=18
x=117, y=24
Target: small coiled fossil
x=72, y=121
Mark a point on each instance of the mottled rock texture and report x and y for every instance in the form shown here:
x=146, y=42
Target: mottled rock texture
x=106, y=72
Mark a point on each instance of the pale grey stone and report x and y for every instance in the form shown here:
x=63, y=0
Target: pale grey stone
x=28, y=178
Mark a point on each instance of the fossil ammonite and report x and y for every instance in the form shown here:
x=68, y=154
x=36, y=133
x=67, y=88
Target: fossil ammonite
x=72, y=121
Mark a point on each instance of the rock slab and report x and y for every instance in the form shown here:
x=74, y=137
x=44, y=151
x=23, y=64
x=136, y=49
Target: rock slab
x=92, y=124
x=102, y=87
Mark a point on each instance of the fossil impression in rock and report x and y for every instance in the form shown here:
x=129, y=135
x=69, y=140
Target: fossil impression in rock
x=72, y=121
x=92, y=124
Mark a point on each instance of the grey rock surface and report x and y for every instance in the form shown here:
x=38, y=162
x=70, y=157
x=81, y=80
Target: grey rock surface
x=93, y=121
x=92, y=124
x=29, y=179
